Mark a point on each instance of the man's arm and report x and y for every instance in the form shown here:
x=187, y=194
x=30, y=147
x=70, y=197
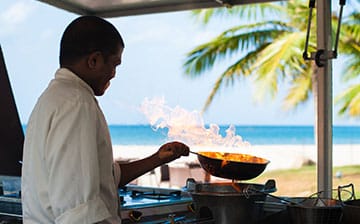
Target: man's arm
x=167, y=153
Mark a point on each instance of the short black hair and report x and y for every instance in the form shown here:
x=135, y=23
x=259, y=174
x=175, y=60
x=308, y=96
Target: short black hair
x=87, y=34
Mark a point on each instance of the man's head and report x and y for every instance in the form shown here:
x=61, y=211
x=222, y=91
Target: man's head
x=91, y=47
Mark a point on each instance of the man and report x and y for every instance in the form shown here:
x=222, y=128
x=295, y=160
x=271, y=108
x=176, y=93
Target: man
x=68, y=173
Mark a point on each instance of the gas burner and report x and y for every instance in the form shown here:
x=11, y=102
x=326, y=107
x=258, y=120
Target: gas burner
x=155, y=195
x=240, y=202
x=155, y=205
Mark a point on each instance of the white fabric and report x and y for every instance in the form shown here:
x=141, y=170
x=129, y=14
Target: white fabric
x=68, y=173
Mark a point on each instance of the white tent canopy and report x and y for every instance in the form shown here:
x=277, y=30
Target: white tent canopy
x=116, y=8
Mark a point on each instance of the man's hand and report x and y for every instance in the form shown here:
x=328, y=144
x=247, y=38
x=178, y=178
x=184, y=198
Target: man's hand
x=172, y=150
x=166, y=153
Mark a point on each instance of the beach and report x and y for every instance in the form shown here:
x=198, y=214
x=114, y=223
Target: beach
x=280, y=157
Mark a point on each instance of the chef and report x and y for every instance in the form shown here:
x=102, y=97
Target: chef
x=68, y=173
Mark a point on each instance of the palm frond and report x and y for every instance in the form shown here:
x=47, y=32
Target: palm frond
x=281, y=55
x=238, y=69
x=234, y=40
x=349, y=101
x=351, y=68
x=297, y=11
x=350, y=46
x=248, y=12
x=243, y=67
x=299, y=91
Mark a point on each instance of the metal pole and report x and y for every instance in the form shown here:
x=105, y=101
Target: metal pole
x=324, y=100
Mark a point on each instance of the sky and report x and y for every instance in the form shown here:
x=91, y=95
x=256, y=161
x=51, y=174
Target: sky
x=155, y=50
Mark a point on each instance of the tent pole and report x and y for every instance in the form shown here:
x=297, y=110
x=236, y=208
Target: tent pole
x=324, y=99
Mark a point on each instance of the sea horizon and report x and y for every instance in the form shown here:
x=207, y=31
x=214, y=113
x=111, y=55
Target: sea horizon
x=145, y=134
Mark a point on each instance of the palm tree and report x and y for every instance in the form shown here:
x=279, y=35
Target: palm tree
x=273, y=46
x=349, y=100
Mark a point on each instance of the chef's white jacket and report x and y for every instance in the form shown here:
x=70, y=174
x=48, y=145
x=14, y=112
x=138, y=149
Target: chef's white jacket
x=68, y=173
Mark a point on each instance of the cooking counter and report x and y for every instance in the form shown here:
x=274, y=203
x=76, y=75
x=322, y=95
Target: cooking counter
x=167, y=206
x=138, y=204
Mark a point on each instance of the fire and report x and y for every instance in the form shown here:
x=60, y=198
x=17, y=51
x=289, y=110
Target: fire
x=224, y=163
x=188, y=126
x=234, y=157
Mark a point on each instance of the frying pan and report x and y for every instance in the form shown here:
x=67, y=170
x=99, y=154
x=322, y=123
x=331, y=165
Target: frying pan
x=235, y=166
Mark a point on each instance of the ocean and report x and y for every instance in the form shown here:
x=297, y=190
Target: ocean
x=255, y=135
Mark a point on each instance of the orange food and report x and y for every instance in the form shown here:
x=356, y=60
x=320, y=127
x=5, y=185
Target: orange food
x=235, y=157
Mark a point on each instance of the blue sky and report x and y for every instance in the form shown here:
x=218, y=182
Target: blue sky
x=156, y=46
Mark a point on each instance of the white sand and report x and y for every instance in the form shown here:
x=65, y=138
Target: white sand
x=280, y=157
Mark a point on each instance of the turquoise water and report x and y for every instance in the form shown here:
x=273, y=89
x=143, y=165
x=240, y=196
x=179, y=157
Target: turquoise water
x=256, y=135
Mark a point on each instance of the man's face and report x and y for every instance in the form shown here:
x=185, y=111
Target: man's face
x=106, y=71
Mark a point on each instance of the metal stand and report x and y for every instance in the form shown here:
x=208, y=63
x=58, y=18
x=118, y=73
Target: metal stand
x=323, y=89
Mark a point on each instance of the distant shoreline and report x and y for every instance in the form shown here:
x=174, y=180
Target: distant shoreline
x=254, y=134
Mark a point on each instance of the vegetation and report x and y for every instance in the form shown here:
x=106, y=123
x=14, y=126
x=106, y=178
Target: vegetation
x=303, y=182
x=267, y=46
x=350, y=98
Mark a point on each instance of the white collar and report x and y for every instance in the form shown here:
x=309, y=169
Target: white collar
x=64, y=73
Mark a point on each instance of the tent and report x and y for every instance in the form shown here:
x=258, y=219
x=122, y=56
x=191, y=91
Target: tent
x=116, y=8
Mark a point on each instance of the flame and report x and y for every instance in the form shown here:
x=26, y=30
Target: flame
x=234, y=157
x=187, y=126
x=224, y=163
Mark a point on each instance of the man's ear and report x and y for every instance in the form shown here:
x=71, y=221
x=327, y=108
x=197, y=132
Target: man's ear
x=94, y=59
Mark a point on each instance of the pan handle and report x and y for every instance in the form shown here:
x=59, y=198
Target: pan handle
x=198, y=154
x=343, y=188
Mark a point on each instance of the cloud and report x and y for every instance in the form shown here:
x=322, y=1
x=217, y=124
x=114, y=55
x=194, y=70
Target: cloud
x=14, y=15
